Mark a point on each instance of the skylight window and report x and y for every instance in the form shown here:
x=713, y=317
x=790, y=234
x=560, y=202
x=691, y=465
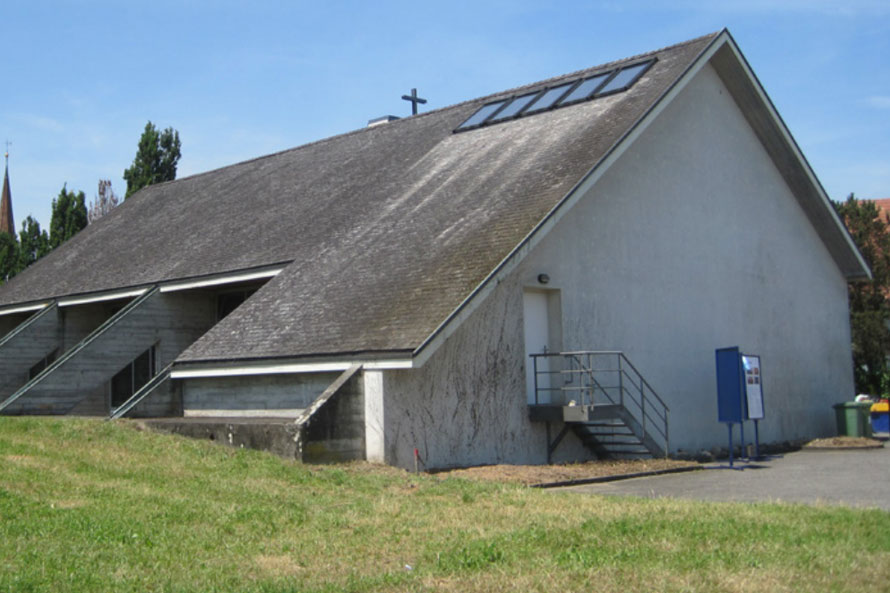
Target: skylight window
x=515, y=106
x=549, y=98
x=567, y=93
x=481, y=115
x=625, y=78
x=586, y=89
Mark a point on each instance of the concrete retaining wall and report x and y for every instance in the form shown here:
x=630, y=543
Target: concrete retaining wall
x=336, y=432
x=283, y=395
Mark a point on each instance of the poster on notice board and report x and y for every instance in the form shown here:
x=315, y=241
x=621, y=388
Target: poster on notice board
x=753, y=386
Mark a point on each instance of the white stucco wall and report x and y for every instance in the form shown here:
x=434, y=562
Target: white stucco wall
x=467, y=404
x=690, y=242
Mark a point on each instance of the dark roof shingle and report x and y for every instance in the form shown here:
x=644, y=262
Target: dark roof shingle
x=388, y=228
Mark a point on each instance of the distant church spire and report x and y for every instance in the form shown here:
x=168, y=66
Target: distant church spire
x=7, y=224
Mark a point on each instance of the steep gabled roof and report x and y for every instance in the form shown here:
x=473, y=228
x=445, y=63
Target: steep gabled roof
x=388, y=232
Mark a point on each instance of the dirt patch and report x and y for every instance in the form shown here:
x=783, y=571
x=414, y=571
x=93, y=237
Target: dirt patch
x=278, y=565
x=543, y=474
x=26, y=461
x=844, y=443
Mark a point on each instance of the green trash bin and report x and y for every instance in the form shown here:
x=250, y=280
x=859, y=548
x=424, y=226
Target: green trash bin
x=865, y=413
x=852, y=419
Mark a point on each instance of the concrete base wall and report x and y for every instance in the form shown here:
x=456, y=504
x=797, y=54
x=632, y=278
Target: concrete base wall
x=276, y=437
x=336, y=432
x=285, y=395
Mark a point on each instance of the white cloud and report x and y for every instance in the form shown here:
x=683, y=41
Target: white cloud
x=848, y=8
x=878, y=101
x=39, y=122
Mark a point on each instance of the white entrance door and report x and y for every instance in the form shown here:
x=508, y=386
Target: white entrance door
x=537, y=340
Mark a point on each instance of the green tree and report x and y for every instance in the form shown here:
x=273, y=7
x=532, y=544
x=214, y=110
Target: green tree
x=155, y=161
x=9, y=256
x=33, y=243
x=869, y=307
x=69, y=216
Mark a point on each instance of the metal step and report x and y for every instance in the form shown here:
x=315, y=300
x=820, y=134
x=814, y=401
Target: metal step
x=609, y=436
x=611, y=430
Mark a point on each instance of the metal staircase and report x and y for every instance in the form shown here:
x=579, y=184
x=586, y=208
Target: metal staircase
x=603, y=399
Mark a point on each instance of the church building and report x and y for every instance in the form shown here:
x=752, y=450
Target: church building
x=540, y=274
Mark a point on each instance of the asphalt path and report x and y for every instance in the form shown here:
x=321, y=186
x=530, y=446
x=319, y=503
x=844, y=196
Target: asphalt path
x=851, y=477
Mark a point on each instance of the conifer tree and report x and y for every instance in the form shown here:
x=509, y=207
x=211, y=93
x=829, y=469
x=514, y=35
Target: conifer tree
x=9, y=255
x=33, y=243
x=156, y=159
x=69, y=216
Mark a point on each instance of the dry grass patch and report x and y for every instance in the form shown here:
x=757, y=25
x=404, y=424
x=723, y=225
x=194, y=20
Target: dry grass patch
x=844, y=443
x=543, y=474
x=26, y=461
x=278, y=565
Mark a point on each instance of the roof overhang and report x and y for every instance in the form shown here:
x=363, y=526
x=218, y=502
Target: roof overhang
x=100, y=297
x=201, y=370
x=30, y=308
x=223, y=279
x=209, y=281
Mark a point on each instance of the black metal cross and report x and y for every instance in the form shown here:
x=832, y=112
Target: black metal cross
x=414, y=100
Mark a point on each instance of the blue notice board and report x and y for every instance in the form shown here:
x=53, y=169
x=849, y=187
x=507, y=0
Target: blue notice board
x=739, y=386
x=730, y=379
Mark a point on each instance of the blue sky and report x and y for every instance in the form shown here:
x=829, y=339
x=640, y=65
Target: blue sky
x=242, y=79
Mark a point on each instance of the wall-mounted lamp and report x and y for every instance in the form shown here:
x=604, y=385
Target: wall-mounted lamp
x=543, y=278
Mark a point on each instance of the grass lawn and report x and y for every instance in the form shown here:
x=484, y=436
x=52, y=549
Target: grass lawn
x=97, y=506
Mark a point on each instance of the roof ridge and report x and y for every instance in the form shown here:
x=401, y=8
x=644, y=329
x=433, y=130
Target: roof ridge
x=603, y=66
x=483, y=98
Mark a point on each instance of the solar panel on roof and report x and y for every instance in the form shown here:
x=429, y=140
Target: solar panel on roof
x=568, y=93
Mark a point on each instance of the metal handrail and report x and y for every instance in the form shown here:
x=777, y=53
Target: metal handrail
x=141, y=393
x=651, y=411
